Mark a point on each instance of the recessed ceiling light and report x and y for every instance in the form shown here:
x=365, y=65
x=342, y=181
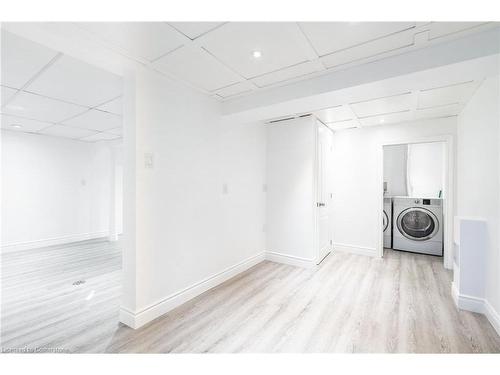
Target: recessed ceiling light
x=17, y=126
x=257, y=54
x=382, y=120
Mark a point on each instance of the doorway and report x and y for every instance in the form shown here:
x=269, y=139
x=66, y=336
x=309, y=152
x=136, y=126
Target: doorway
x=61, y=142
x=417, y=197
x=323, y=191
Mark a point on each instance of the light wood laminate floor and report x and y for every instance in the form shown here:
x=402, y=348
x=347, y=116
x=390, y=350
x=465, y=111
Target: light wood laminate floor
x=351, y=303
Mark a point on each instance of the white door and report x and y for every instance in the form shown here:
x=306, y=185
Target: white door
x=323, y=192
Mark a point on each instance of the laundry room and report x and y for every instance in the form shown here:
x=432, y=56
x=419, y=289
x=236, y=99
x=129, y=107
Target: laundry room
x=414, y=181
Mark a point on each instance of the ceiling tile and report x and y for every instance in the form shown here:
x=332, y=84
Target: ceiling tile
x=440, y=111
x=299, y=70
x=237, y=88
x=100, y=137
x=74, y=81
x=234, y=44
x=66, y=132
x=334, y=114
x=95, y=120
x=41, y=108
x=26, y=124
x=197, y=67
x=22, y=59
x=115, y=131
x=114, y=106
x=391, y=43
x=389, y=104
x=194, y=29
x=7, y=93
x=339, y=125
x=328, y=37
x=440, y=29
x=146, y=40
x=389, y=118
x=456, y=93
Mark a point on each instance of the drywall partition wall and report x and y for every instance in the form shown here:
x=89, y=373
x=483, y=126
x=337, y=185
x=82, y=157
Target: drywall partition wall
x=395, y=162
x=425, y=172
x=116, y=192
x=415, y=170
x=478, y=174
x=54, y=190
x=291, y=191
x=357, y=166
x=194, y=200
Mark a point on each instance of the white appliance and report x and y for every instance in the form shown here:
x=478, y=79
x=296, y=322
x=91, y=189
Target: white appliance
x=387, y=223
x=418, y=225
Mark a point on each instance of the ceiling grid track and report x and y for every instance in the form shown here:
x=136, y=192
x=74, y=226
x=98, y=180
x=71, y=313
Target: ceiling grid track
x=32, y=79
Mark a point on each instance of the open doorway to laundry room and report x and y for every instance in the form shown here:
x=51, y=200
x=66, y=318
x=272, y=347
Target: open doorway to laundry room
x=62, y=163
x=416, y=199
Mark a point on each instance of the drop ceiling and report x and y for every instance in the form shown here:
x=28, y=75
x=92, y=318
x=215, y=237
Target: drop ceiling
x=217, y=57
x=415, y=104
x=44, y=87
x=46, y=92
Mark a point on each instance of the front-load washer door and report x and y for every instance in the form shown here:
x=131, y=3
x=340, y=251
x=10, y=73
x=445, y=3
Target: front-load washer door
x=385, y=221
x=418, y=224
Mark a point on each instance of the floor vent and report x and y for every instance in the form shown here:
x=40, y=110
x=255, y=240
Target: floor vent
x=79, y=282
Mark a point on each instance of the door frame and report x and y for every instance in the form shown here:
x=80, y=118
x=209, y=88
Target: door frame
x=449, y=190
x=319, y=123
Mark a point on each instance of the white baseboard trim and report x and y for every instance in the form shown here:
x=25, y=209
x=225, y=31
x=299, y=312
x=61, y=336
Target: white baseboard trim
x=155, y=310
x=360, y=250
x=478, y=305
x=492, y=315
x=470, y=303
x=290, y=259
x=127, y=317
x=27, y=245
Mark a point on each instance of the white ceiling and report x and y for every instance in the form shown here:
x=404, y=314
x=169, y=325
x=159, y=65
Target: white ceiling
x=42, y=86
x=46, y=92
x=430, y=102
x=217, y=58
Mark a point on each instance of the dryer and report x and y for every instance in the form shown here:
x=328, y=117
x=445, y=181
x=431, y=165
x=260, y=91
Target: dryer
x=387, y=222
x=418, y=225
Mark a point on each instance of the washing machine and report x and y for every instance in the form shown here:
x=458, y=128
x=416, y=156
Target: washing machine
x=418, y=225
x=387, y=223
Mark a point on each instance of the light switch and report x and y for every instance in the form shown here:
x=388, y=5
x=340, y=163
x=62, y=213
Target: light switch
x=148, y=160
x=225, y=189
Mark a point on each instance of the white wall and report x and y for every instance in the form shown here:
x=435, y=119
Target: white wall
x=415, y=170
x=478, y=173
x=426, y=170
x=395, y=159
x=291, y=190
x=357, y=156
x=54, y=190
x=198, y=214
